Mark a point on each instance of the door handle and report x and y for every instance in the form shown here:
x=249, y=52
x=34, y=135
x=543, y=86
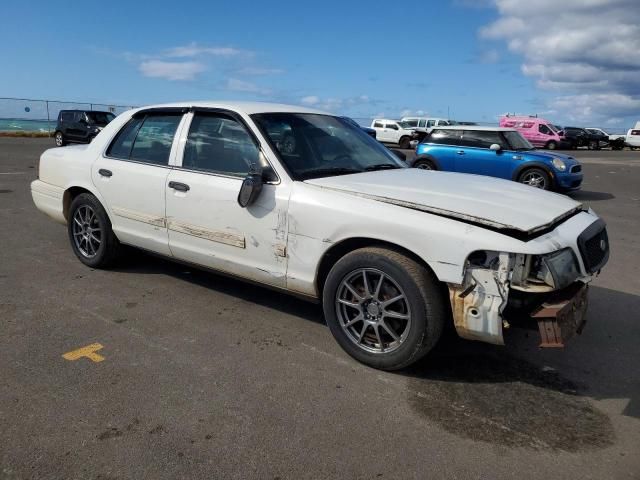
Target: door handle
x=105, y=173
x=181, y=187
x=460, y=152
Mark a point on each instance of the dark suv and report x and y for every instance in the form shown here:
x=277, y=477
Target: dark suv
x=580, y=137
x=80, y=126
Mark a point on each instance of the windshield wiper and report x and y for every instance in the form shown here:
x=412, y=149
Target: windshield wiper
x=328, y=172
x=381, y=166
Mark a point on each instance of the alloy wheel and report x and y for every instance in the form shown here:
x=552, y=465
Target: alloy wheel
x=87, y=231
x=373, y=310
x=534, y=179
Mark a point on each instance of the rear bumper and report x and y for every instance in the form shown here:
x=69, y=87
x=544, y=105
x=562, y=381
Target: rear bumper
x=48, y=199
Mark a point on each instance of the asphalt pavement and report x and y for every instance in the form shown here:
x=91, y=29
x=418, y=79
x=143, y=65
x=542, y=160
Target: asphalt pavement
x=193, y=375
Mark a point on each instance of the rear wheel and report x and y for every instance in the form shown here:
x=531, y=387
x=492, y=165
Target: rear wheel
x=405, y=142
x=536, y=177
x=424, y=165
x=59, y=139
x=90, y=233
x=383, y=308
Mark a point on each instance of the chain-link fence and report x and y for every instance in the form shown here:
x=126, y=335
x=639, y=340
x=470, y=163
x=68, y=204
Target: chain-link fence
x=38, y=116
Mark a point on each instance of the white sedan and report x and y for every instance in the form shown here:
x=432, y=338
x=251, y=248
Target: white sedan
x=303, y=201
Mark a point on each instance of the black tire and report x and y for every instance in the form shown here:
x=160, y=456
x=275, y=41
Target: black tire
x=424, y=165
x=405, y=143
x=109, y=246
x=58, y=137
x=526, y=177
x=552, y=145
x=425, y=302
x=594, y=145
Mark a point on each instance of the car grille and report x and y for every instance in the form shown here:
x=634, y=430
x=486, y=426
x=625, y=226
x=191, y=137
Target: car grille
x=594, y=246
x=576, y=168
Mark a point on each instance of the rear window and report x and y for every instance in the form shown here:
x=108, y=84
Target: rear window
x=445, y=137
x=147, y=139
x=635, y=132
x=377, y=125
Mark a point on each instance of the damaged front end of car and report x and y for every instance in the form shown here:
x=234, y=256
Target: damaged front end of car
x=500, y=290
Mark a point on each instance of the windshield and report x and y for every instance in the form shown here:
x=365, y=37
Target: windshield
x=517, y=141
x=405, y=125
x=100, y=118
x=314, y=145
x=555, y=128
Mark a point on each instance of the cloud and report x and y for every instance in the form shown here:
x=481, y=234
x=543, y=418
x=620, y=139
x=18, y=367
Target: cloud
x=259, y=71
x=193, y=50
x=237, y=85
x=489, y=57
x=171, y=70
x=587, y=51
x=310, y=100
x=334, y=104
x=412, y=113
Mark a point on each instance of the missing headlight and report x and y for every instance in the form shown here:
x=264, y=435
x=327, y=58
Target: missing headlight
x=553, y=271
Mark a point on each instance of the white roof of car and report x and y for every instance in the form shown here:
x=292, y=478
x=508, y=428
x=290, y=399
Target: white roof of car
x=245, y=107
x=475, y=127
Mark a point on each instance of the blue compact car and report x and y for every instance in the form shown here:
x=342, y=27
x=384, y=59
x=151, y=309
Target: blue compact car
x=496, y=152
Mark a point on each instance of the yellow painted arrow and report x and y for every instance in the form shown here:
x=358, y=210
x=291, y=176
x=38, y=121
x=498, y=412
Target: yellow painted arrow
x=89, y=352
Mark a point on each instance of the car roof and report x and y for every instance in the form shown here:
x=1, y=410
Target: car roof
x=248, y=108
x=86, y=110
x=385, y=120
x=475, y=127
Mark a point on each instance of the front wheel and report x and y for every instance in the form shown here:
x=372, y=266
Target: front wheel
x=90, y=233
x=594, y=145
x=383, y=308
x=536, y=177
x=405, y=143
x=552, y=145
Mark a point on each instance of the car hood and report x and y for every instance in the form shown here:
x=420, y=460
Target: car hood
x=549, y=156
x=491, y=202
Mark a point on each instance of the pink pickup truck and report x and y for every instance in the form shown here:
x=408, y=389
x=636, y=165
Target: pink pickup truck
x=540, y=132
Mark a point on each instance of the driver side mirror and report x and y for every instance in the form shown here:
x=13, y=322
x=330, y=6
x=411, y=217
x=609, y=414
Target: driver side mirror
x=251, y=186
x=495, y=147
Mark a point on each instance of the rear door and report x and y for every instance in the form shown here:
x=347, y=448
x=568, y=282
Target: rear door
x=475, y=155
x=132, y=175
x=75, y=129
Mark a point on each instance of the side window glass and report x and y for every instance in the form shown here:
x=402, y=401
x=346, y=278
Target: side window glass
x=154, y=139
x=430, y=123
x=392, y=126
x=445, y=137
x=377, y=125
x=422, y=123
x=121, y=146
x=481, y=139
x=544, y=129
x=412, y=123
x=219, y=144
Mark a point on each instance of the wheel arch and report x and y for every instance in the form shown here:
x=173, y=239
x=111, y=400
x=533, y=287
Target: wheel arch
x=72, y=192
x=425, y=156
x=348, y=245
x=528, y=166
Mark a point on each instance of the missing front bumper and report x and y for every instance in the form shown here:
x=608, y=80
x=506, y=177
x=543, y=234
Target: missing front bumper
x=561, y=316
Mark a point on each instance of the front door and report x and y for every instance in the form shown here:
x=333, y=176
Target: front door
x=476, y=156
x=206, y=224
x=131, y=177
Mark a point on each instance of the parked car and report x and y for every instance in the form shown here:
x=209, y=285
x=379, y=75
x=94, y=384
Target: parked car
x=632, y=139
x=540, y=132
x=80, y=126
x=616, y=142
x=497, y=152
x=425, y=122
x=390, y=131
x=369, y=131
x=393, y=253
x=578, y=137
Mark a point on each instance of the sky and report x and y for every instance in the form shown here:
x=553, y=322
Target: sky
x=575, y=62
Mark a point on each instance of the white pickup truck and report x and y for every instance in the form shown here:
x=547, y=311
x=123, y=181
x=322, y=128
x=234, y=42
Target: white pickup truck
x=306, y=202
x=392, y=131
